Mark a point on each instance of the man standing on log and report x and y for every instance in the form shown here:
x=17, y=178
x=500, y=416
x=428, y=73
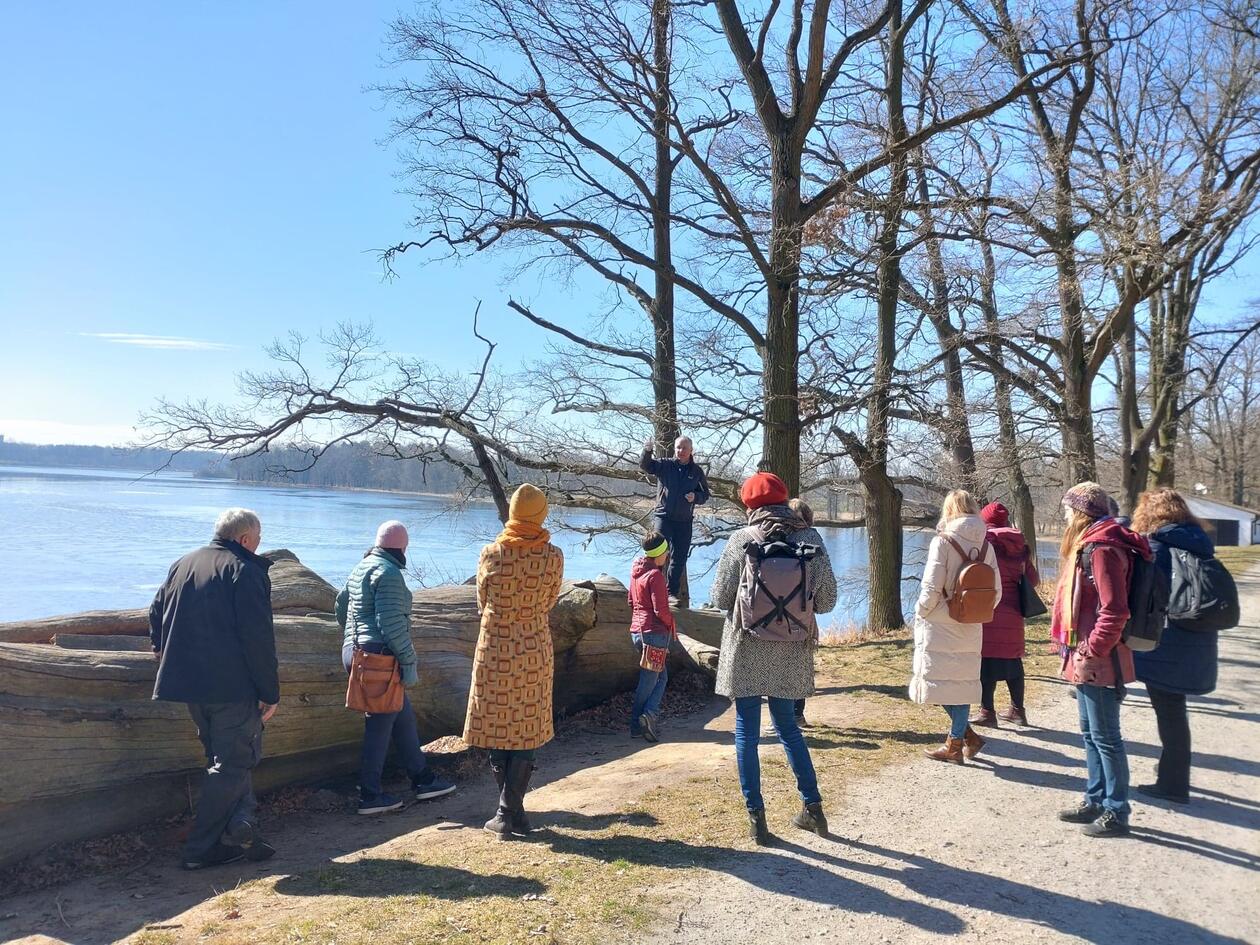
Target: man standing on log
x=680, y=486
x=212, y=634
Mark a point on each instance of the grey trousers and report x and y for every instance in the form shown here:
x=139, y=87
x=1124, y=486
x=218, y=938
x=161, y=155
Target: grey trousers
x=231, y=733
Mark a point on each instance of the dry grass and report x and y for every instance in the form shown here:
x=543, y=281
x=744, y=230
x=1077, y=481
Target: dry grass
x=1239, y=560
x=589, y=879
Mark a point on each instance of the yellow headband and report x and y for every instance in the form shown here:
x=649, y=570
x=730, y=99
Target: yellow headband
x=658, y=550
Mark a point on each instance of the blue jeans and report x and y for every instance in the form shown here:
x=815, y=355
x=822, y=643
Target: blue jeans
x=651, y=688
x=1106, y=764
x=748, y=736
x=378, y=727
x=957, y=719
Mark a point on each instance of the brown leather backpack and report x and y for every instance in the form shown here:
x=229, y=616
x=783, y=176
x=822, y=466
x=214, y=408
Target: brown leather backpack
x=973, y=599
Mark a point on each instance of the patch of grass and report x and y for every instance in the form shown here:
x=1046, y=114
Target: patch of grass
x=153, y=937
x=1238, y=560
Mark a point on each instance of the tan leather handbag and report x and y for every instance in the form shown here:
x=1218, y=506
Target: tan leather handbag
x=375, y=683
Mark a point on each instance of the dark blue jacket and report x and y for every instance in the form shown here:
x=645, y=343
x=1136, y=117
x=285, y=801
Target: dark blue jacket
x=211, y=623
x=1185, y=660
x=673, y=481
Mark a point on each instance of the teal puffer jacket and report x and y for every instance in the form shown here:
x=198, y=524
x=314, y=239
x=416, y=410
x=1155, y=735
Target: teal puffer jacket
x=375, y=607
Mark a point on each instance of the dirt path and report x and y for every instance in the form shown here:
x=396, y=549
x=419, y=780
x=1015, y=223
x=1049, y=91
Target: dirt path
x=927, y=851
x=922, y=851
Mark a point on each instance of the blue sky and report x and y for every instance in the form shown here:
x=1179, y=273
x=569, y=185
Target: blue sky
x=181, y=183
x=209, y=173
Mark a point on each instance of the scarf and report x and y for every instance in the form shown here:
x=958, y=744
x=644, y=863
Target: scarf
x=769, y=516
x=523, y=534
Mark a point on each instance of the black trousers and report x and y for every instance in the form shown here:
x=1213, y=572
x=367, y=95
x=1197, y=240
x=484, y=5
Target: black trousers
x=1173, y=721
x=678, y=534
x=231, y=734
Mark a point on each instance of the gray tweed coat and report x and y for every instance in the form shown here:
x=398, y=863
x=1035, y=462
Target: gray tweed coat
x=751, y=667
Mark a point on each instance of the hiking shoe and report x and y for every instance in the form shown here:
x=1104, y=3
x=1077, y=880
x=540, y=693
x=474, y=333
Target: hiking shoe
x=435, y=787
x=1108, y=825
x=1014, y=714
x=647, y=722
x=217, y=855
x=244, y=834
x=380, y=804
x=1083, y=813
x=1155, y=791
x=757, y=829
x=800, y=722
x=500, y=824
x=811, y=818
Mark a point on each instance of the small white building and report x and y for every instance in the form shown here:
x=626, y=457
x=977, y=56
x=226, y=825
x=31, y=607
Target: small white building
x=1229, y=525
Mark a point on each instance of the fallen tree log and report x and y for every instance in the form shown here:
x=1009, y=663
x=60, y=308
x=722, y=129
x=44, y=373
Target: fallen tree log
x=295, y=589
x=79, y=729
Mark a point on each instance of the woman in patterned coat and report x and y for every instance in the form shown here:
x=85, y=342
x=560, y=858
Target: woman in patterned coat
x=750, y=669
x=509, y=705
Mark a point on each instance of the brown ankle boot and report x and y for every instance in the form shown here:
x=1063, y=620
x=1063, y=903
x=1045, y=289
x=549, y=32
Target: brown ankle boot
x=1014, y=714
x=972, y=743
x=985, y=717
x=951, y=751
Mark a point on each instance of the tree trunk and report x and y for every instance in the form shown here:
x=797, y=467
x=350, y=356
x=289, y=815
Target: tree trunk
x=781, y=444
x=1021, y=503
x=884, y=547
x=956, y=431
x=664, y=364
x=883, y=499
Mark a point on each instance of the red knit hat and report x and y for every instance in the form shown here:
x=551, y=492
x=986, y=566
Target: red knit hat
x=763, y=488
x=995, y=514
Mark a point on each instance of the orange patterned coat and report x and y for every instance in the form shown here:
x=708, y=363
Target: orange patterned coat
x=509, y=706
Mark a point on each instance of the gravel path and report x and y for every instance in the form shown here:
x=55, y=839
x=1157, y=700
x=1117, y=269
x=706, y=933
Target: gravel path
x=927, y=852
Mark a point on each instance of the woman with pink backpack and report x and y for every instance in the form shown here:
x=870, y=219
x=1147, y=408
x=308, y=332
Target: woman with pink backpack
x=960, y=588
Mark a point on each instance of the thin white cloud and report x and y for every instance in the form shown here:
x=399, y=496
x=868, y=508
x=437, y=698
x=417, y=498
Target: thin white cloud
x=161, y=342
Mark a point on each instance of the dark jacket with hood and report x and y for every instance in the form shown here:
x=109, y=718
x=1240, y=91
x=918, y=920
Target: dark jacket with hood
x=674, y=480
x=649, y=599
x=1185, y=660
x=1100, y=607
x=211, y=622
x=1004, y=634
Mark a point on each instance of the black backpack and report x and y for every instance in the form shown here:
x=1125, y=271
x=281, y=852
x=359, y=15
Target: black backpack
x=1149, y=592
x=1204, y=596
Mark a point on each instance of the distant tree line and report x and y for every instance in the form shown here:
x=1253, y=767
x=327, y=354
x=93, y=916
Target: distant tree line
x=104, y=457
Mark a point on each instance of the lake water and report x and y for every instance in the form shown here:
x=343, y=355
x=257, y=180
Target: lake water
x=89, y=539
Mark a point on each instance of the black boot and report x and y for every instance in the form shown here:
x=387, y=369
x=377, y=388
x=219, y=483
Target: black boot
x=811, y=818
x=500, y=823
x=518, y=774
x=757, y=828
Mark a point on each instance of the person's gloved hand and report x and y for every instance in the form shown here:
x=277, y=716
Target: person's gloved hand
x=409, y=674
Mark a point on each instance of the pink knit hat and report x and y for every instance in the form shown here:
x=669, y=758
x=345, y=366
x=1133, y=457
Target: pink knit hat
x=392, y=534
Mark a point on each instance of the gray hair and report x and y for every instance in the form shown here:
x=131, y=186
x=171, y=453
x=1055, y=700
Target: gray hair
x=683, y=439
x=233, y=523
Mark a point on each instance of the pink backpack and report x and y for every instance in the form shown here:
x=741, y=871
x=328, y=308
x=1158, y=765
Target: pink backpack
x=776, y=599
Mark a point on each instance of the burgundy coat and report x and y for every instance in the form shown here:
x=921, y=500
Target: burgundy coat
x=1101, y=608
x=649, y=599
x=1004, y=634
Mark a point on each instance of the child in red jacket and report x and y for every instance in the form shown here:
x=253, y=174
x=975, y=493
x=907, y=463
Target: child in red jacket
x=651, y=629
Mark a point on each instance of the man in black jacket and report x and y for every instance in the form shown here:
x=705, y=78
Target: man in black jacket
x=211, y=629
x=680, y=486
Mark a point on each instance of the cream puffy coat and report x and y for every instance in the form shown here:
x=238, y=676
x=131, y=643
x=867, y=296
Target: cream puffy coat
x=946, y=669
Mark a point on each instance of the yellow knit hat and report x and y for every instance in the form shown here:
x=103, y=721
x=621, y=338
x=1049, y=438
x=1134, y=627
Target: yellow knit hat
x=528, y=505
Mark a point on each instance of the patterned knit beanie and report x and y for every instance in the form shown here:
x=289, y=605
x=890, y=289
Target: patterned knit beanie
x=1088, y=498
